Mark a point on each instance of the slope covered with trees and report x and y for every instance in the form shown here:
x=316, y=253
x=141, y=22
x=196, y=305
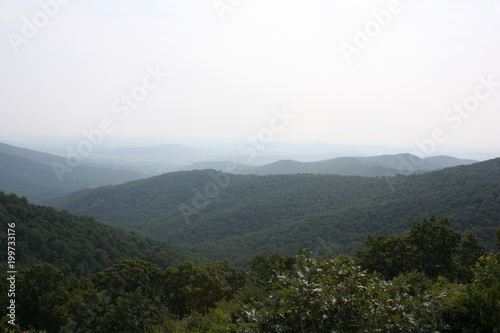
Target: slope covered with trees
x=233, y=216
x=274, y=293
x=83, y=244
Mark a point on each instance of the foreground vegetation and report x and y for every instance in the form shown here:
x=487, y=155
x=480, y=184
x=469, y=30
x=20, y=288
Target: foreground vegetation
x=429, y=279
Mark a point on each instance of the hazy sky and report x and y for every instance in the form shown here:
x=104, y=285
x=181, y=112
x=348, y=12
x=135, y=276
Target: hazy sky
x=233, y=63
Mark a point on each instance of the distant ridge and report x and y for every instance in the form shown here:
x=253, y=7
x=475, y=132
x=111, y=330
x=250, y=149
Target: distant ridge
x=375, y=166
x=29, y=173
x=32, y=155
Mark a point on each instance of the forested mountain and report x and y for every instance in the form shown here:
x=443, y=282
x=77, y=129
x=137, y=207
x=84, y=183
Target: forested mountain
x=83, y=244
x=234, y=216
x=30, y=173
x=347, y=166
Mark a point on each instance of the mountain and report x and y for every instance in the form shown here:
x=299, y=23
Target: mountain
x=348, y=166
x=32, y=155
x=448, y=161
x=223, y=215
x=31, y=174
x=44, y=234
x=376, y=166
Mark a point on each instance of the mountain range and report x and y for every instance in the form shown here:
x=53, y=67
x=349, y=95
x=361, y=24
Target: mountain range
x=376, y=166
x=38, y=175
x=222, y=215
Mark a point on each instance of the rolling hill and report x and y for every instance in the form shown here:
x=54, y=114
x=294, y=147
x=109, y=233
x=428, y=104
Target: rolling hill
x=230, y=216
x=85, y=245
x=29, y=173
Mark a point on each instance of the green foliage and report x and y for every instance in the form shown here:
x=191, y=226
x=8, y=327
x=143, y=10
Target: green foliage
x=130, y=312
x=431, y=247
x=218, y=320
x=432, y=244
x=44, y=284
x=456, y=308
x=336, y=295
x=498, y=239
x=128, y=276
x=276, y=293
x=266, y=265
x=468, y=253
x=385, y=254
x=49, y=299
x=484, y=291
x=194, y=288
x=86, y=246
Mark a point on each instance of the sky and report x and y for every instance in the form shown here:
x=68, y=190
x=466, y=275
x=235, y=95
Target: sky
x=421, y=75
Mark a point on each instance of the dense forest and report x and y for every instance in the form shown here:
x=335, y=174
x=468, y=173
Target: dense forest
x=226, y=216
x=82, y=244
x=431, y=278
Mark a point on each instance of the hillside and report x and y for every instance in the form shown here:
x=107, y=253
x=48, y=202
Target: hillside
x=29, y=173
x=283, y=212
x=32, y=155
x=85, y=245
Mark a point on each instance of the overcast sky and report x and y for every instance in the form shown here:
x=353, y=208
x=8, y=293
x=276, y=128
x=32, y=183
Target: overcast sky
x=231, y=64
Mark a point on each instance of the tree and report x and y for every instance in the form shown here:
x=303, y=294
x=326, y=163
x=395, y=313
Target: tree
x=484, y=290
x=431, y=247
x=135, y=297
x=265, y=266
x=498, y=239
x=128, y=276
x=387, y=255
x=336, y=295
x=194, y=288
x=468, y=253
x=39, y=285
